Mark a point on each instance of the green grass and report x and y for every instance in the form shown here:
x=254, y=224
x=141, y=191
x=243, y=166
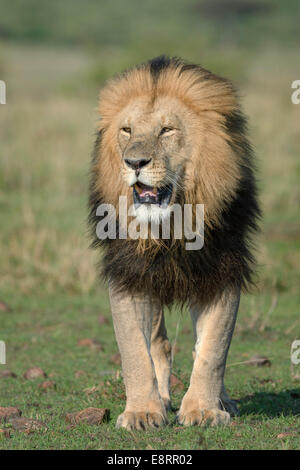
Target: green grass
x=45, y=330
x=48, y=275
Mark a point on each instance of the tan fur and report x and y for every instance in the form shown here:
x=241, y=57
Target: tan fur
x=206, y=399
x=211, y=169
x=146, y=362
x=203, y=158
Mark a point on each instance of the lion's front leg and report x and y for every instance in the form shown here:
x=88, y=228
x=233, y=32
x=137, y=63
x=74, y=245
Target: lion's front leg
x=132, y=317
x=214, y=327
x=161, y=355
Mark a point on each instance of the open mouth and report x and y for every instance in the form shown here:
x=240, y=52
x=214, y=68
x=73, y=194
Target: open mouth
x=143, y=194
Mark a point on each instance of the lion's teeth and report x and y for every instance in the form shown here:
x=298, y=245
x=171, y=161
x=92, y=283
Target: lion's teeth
x=138, y=188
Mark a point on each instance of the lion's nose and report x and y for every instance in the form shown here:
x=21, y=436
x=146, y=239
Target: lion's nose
x=137, y=163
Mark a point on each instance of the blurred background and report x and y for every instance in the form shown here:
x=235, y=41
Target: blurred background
x=55, y=56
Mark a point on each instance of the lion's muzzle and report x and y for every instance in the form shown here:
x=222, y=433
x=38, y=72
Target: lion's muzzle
x=144, y=194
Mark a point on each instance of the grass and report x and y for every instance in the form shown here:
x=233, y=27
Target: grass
x=45, y=331
x=48, y=276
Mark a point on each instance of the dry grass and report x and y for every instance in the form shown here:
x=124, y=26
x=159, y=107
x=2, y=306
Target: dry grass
x=48, y=272
x=46, y=138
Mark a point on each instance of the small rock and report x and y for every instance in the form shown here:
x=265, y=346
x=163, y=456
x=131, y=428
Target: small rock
x=7, y=373
x=282, y=435
x=176, y=384
x=90, y=343
x=4, y=307
x=34, y=373
x=89, y=415
x=116, y=359
x=102, y=320
x=7, y=412
x=27, y=425
x=85, y=342
x=47, y=384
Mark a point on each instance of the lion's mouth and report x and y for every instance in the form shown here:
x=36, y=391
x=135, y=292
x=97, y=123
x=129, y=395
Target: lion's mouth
x=143, y=194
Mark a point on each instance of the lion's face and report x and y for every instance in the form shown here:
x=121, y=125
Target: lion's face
x=154, y=147
x=167, y=138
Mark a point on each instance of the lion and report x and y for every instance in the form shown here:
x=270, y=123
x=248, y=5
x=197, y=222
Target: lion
x=173, y=132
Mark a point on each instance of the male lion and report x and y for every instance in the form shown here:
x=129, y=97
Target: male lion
x=172, y=132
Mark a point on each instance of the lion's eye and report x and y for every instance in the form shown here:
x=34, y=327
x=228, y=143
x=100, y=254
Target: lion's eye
x=166, y=130
x=126, y=130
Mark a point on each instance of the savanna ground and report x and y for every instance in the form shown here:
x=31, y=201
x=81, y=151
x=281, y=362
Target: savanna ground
x=53, y=63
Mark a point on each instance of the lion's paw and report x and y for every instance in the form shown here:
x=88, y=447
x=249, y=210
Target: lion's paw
x=167, y=403
x=203, y=417
x=133, y=420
